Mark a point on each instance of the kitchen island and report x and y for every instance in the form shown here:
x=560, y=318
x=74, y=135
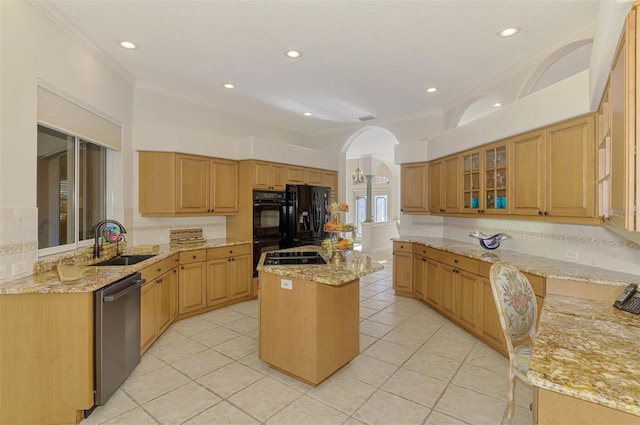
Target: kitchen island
x=309, y=315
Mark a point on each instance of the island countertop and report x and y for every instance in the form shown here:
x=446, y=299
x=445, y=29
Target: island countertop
x=539, y=266
x=588, y=350
x=95, y=277
x=355, y=266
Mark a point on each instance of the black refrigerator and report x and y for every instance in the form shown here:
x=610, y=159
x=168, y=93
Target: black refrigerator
x=306, y=214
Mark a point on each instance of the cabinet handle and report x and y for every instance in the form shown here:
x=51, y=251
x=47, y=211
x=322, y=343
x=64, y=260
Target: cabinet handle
x=159, y=269
x=233, y=259
x=181, y=267
x=176, y=260
x=442, y=210
x=231, y=251
x=194, y=257
x=175, y=271
x=540, y=213
x=546, y=213
x=158, y=280
x=455, y=261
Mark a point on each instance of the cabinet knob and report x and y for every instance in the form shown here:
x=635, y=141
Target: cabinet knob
x=194, y=257
x=175, y=271
x=159, y=269
x=540, y=212
x=176, y=260
x=546, y=213
x=158, y=280
x=181, y=267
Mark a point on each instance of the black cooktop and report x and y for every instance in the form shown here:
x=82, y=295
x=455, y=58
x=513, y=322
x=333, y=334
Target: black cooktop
x=276, y=258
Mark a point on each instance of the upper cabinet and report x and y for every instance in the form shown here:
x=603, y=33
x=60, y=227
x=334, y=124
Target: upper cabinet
x=268, y=176
x=175, y=184
x=330, y=180
x=527, y=173
x=413, y=188
x=618, y=161
x=485, y=179
x=444, y=187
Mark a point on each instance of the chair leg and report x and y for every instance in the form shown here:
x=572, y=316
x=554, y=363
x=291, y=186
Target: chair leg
x=510, y=388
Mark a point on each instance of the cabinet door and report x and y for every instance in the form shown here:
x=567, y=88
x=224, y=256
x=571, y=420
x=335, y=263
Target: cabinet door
x=419, y=271
x=570, y=168
x=433, y=289
x=495, y=181
x=192, y=184
x=163, y=302
x=173, y=303
x=192, y=282
x=147, y=315
x=313, y=177
x=491, y=328
x=241, y=276
x=402, y=271
x=262, y=175
x=330, y=180
x=278, y=177
x=448, y=277
x=223, y=185
x=471, y=182
x=218, y=278
x=470, y=301
x=527, y=173
x=451, y=185
x=413, y=188
x=157, y=183
x=436, y=195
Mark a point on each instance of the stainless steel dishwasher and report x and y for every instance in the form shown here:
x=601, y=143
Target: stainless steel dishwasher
x=117, y=334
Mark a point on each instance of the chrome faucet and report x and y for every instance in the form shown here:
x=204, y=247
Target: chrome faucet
x=96, y=231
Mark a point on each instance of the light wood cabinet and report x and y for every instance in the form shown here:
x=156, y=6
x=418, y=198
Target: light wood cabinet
x=449, y=291
x=192, y=281
x=269, y=176
x=402, y=262
x=419, y=276
x=433, y=290
x=330, y=180
x=413, y=188
x=618, y=161
x=444, y=187
x=469, y=312
x=295, y=175
x=491, y=329
x=527, y=159
x=485, y=179
x=472, y=199
x=229, y=273
x=313, y=177
x=176, y=184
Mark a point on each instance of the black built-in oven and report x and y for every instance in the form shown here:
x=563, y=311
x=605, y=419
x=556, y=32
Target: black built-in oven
x=268, y=223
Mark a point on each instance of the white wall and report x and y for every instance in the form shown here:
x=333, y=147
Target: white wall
x=34, y=47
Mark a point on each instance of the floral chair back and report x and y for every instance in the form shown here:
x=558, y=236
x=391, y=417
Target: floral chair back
x=517, y=302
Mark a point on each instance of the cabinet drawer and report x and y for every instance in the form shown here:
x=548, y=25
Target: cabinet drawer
x=194, y=256
x=460, y=262
x=228, y=251
x=420, y=249
x=150, y=273
x=434, y=254
x=402, y=247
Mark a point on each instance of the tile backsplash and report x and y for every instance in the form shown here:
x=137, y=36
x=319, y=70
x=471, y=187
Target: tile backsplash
x=18, y=242
x=588, y=245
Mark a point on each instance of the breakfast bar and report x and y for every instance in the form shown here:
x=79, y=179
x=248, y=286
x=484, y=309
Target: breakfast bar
x=309, y=321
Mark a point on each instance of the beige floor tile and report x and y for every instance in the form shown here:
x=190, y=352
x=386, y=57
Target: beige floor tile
x=384, y=297
x=375, y=304
x=243, y=326
x=215, y=336
x=248, y=308
x=374, y=329
x=253, y=361
x=415, y=386
x=254, y=334
x=384, y=408
x=294, y=383
x=389, y=352
x=482, y=380
x=148, y=363
x=223, y=413
x=181, y=404
x=230, y=379
x=264, y=398
x=391, y=319
x=366, y=294
x=342, y=392
x=406, y=338
x=482, y=355
x=238, y=347
x=432, y=365
x=523, y=393
x=167, y=338
x=154, y=384
x=470, y=406
x=453, y=333
x=192, y=326
x=135, y=416
x=222, y=316
x=200, y=364
x=522, y=415
x=380, y=286
x=353, y=421
x=366, y=312
x=117, y=404
x=437, y=418
x=366, y=341
x=369, y=370
x=177, y=350
x=306, y=410
x=451, y=349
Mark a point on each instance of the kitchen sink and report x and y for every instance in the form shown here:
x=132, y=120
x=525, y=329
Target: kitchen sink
x=124, y=260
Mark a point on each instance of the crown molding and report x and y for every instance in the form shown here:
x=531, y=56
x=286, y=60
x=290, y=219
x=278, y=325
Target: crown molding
x=51, y=12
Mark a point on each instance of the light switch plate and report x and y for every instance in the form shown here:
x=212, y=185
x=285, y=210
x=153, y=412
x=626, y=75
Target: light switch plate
x=286, y=284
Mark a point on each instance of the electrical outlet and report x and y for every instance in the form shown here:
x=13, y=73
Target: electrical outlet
x=19, y=268
x=158, y=238
x=4, y=272
x=571, y=255
x=286, y=284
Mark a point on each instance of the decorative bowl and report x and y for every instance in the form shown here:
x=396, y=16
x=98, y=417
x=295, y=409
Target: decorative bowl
x=489, y=242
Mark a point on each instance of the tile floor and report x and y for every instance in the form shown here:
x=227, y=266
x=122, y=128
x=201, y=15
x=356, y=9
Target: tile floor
x=414, y=367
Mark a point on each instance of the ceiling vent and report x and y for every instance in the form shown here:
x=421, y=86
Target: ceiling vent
x=367, y=118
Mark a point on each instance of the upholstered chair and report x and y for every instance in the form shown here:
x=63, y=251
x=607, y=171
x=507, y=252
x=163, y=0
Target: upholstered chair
x=517, y=309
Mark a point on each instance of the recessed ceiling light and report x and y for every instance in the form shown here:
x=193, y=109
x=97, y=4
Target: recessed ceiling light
x=497, y=104
x=293, y=54
x=128, y=45
x=307, y=114
x=508, y=32
x=229, y=86
x=431, y=90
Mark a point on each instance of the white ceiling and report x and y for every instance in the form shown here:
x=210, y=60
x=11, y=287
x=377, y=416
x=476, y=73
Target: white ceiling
x=359, y=57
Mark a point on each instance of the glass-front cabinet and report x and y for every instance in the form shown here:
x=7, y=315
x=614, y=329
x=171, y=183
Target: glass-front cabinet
x=495, y=179
x=471, y=187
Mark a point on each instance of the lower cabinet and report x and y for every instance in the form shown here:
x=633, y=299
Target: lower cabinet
x=192, y=281
x=403, y=263
x=229, y=273
x=491, y=328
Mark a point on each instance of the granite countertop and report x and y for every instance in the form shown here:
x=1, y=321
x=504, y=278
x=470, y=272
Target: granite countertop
x=588, y=349
x=540, y=266
x=356, y=266
x=96, y=277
